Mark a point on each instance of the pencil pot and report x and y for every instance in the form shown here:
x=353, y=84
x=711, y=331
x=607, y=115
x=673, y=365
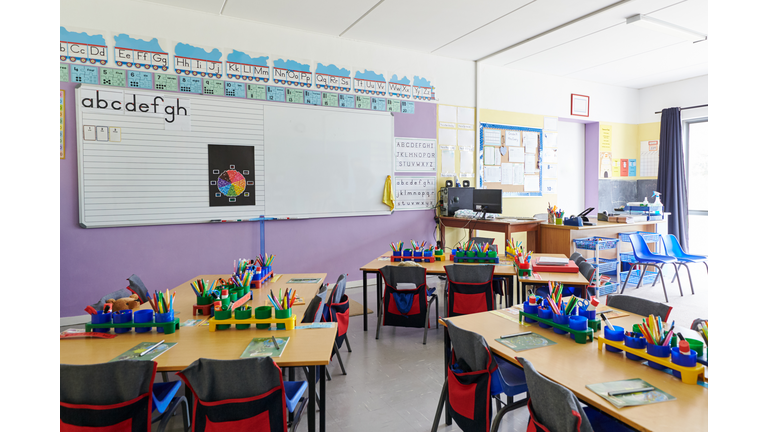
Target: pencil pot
x=531, y=309
x=560, y=319
x=617, y=334
x=687, y=360
x=472, y=254
x=397, y=254
x=427, y=254
x=241, y=314
x=122, y=317
x=222, y=315
x=234, y=294
x=576, y=322
x=417, y=255
x=546, y=313
x=696, y=345
x=225, y=302
x=660, y=351
x=492, y=255
x=163, y=318
x=204, y=300
x=634, y=342
x=590, y=315
x=263, y=312
x=142, y=316
x=558, y=221
x=407, y=253
x=550, y=218
x=282, y=314
x=101, y=318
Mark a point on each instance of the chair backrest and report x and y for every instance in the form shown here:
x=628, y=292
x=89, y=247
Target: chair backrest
x=639, y=246
x=126, y=383
x=552, y=405
x=587, y=270
x=577, y=258
x=314, y=311
x=245, y=393
x=482, y=240
x=396, y=275
x=469, y=289
x=639, y=306
x=465, y=273
x=672, y=245
x=470, y=348
x=338, y=290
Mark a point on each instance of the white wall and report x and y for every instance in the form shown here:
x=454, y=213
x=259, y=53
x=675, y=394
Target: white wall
x=532, y=93
x=690, y=92
x=453, y=79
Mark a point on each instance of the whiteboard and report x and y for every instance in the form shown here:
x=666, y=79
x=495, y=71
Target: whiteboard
x=324, y=166
x=326, y=162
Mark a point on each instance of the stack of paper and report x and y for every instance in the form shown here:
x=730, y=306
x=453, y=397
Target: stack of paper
x=553, y=261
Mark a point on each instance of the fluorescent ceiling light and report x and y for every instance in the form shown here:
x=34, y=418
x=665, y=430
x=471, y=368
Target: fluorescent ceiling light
x=665, y=27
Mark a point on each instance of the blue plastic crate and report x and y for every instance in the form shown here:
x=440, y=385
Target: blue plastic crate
x=604, y=265
x=635, y=276
x=648, y=236
x=627, y=257
x=596, y=243
x=608, y=288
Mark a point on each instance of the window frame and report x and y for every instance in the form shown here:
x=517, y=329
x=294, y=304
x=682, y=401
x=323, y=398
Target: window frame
x=686, y=133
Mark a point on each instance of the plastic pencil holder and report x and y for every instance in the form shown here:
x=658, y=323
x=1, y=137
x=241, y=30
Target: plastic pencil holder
x=546, y=313
x=687, y=360
x=492, y=254
x=595, y=325
x=531, y=309
x=550, y=218
x=122, y=317
x=634, y=342
x=558, y=221
x=560, y=319
x=417, y=254
x=427, y=254
x=617, y=334
x=163, y=318
x=524, y=265
x=696, y=345
x=438, y=252
x=204, y=300
x=101, y=317
x=408, y=253
x=472, y=254
x=282, y=314
x=234, y=294
x=263, y=312
x=591, y=315
x=660, y=351
x=143, y=316
x=577, y=322
x=241, y=314
x=222, y=315
x=397, y=254
x=225, y=302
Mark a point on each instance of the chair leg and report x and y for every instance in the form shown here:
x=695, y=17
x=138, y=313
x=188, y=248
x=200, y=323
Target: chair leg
x=642, y=273
x=624, y=285
x=328, y=375
x=664, y=286
x=164, y=419
x=426, y=317
x=346, y=340
x=656, y=278
x=338, y=357
x=381, y=313
x=679, y=285
x=440, y=404
x=707, y=266
x=690, y=280
x=508, y=408
x=297, y=414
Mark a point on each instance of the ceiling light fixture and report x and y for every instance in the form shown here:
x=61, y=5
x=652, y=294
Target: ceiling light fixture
x=665, y=27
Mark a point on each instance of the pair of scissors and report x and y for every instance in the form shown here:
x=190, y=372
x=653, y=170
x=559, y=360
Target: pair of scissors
x=583, y=304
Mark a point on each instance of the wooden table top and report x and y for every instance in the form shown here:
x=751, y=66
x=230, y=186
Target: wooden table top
x=438, y=267
x=502, y=220
x=306, y=347
x=577, y=365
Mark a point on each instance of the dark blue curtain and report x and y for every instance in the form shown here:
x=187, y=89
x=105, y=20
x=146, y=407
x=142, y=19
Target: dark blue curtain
x=673, y=184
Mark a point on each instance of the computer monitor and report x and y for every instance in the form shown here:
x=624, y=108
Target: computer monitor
x=487, y=200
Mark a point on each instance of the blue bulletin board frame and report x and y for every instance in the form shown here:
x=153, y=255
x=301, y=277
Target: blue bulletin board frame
x=481, y=145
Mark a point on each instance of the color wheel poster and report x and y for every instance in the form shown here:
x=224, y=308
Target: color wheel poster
x=230, y=175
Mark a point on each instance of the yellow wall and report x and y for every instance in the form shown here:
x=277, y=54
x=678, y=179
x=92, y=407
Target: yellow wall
x=647, y=132
x=624, y=145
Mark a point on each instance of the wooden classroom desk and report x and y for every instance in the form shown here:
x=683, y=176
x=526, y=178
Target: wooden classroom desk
x=438, y=267
x=559, y=238
x=575, y=365
x=309, y=347
x=503, y=225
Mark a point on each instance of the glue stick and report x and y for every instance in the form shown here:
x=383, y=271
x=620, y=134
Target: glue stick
x=593, y=304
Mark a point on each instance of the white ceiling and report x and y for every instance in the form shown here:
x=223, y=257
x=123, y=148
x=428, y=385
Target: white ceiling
x=581, y=39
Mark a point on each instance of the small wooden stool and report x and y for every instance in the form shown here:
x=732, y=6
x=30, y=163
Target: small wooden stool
x=205, y=308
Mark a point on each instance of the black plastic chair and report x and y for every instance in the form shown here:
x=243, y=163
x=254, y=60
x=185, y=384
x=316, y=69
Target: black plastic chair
x=639, y=306
x=337, y=310
x=469, y=289
x=407, y=299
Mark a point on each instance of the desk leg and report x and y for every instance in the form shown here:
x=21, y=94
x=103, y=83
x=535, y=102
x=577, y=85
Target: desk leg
x=322, y=398
x=365, y=300
x=291, y=377
x=447, y=345
x=311, y=408
x=379, y=294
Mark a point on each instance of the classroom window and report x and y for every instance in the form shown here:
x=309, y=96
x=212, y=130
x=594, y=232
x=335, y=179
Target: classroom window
x=695, y=132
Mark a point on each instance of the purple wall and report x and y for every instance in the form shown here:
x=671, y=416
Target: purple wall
x=97, y=261
x=591, y=161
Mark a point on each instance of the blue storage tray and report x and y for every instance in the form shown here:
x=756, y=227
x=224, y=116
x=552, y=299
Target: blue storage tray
x=635, y=276
x=608, y=288
x=648, y=236
x=596, y=243
x=605, y=265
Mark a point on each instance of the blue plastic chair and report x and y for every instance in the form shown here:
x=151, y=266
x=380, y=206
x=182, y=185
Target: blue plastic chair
x=164, y=401
x=511, y=380
x=646, y=258
x=673, y=249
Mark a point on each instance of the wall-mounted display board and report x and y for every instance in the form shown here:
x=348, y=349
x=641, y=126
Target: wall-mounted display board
x=510, y=158
x=150, y=157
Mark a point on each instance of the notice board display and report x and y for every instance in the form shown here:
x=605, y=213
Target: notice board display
x=511, y=159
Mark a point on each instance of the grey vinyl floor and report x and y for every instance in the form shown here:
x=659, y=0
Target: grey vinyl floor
x=394, y=383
